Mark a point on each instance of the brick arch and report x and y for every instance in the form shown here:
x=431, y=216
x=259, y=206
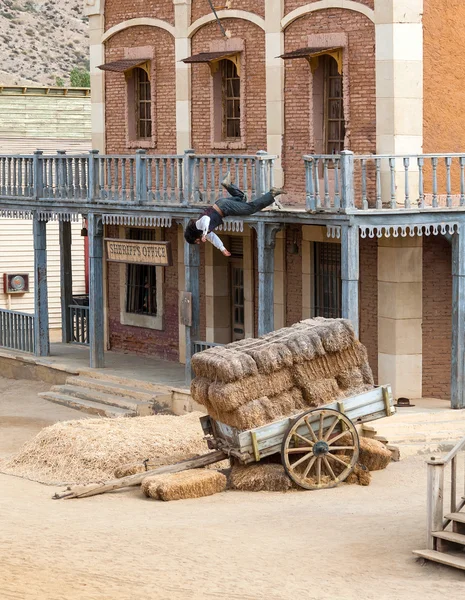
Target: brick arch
x=226, y=14
x=137, y=23
x=324, y=4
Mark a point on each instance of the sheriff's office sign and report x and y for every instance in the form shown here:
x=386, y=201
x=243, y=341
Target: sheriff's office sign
x=139, y=252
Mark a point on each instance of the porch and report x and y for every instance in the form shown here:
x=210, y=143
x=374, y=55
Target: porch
x=351, y=197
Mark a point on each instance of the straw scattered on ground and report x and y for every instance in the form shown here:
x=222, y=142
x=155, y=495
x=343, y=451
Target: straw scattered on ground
x=90, y=450
x=194, y=483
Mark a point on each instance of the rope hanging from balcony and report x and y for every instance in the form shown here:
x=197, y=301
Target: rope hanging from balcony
x=313, y=54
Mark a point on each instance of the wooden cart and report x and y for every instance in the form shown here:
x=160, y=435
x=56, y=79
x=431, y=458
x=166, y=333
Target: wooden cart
x=319, y=448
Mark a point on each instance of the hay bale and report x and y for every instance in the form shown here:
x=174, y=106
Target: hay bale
x=194, y=483
x=227, y=397
x=264, y=410
x=130, y=469
x=373, y=454
x=223, y=364
x=260, y=478
x=359, y=476
x=89, y=450
x=350, y=379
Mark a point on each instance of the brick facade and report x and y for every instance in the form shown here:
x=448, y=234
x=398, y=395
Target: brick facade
x=201, y=8
x=290, y=5
x=138, y=340
x=164, y=92
x=361, y=120
x=253, y=86
x=437, y=316
x=118, y=11
x=294, y=276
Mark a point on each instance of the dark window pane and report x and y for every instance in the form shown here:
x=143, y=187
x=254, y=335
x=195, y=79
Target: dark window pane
x=334, y=109
x=327, y=282
x=141, y=284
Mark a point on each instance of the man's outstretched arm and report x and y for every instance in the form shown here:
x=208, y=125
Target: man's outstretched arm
x=215, y=240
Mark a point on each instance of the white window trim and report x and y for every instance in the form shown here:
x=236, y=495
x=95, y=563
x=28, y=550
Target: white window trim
x=145, y=321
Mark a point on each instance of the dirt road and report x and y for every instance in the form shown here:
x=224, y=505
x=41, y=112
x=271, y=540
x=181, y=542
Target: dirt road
x=347, y=543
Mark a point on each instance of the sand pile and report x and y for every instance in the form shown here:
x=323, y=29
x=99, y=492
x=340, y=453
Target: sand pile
x=256, y=381
x=90, y=450
x=194, y=483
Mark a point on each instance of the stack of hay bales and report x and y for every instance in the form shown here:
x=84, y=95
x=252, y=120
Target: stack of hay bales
x=252, y=382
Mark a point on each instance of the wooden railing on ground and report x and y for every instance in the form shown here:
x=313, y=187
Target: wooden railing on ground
x=16, y=330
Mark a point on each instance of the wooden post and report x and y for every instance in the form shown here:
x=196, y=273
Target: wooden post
x=38, y=175
x=192, y=285
x=96, y=308
x=266, y=238
x=347, y=179
x=66, y=280
x=93, y=181
x=261, y=173
x=141, y=176
x=188, y=176
x=458, y=320
x=350, y=274
x=434, y=501
x=41, y=330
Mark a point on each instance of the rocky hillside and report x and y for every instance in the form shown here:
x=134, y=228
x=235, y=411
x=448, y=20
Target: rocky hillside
x=42, y=40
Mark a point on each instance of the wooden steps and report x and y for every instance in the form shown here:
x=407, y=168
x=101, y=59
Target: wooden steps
x=450, y=545
x=445, y=558
x=109, y=398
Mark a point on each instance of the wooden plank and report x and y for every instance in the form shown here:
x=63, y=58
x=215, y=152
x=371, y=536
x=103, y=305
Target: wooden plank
x=452, y=560
x=41, y=329
x=84, y=491
x=435, y=502
x=350, y=274
x=96, y=304
x=364, y=407
x=458, y=321
x=66, y=280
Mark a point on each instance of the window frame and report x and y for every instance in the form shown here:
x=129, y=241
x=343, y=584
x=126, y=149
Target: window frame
x=132, y=108
x=327, y=77
x=146, y=321
x=218, y=141
x=319, y=290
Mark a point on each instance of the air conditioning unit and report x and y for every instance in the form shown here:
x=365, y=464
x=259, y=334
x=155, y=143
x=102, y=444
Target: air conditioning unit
x=15, y=283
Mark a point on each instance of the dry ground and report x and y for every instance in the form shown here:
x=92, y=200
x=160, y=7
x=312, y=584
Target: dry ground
x=342, y=544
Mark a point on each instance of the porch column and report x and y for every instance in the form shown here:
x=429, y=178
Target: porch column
x=458, y=320
x=182, y=49
x=41, y=327
x=399, y=88
x=350, y=274
x=192, y=285
x=66, y=280
x=274, y=47
x=400, y=314
x=266, y=239
x=96, y=305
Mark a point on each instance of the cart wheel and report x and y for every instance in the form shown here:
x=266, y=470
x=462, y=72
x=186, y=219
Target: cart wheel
x=310, y=453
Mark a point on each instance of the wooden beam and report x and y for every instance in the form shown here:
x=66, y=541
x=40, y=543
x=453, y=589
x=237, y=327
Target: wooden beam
x=66, y=280
x=41, y=326
x=192, y=285
x=458, y=320
x=96, y=307
x=350, y=274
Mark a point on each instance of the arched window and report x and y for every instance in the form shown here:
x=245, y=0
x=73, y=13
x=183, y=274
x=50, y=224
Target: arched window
x=231, y=101
x=334, y=125
x=143, y=104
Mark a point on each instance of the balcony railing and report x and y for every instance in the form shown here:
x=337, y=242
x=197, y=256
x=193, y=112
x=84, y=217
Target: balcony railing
x=16, y=330
x=384, y=182
x=152, y=180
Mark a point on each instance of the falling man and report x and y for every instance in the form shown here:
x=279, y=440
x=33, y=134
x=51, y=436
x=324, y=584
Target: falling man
x=235, y=205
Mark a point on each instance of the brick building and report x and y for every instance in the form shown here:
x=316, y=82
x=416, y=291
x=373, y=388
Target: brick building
x=340, y=99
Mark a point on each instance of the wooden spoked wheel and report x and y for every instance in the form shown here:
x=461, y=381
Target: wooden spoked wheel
x=320, y=449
